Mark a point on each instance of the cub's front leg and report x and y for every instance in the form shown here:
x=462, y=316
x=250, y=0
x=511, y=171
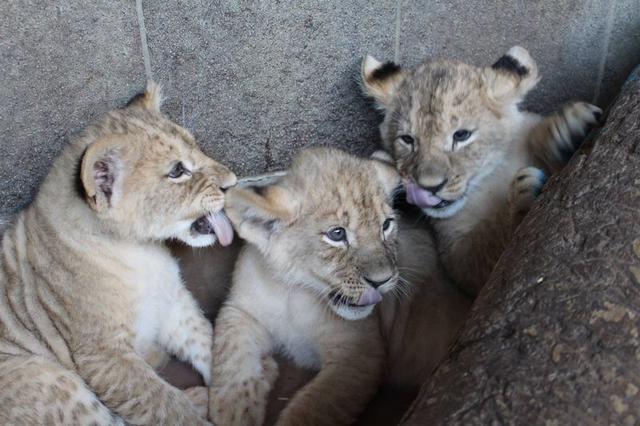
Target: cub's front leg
x=128, y=386
x=525, y=187
x=187, y=334
x=349, y=377
x=469, y=257
x=243, y=369
x=199, y=397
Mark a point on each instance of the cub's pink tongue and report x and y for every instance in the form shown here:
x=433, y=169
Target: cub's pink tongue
x=222, y=227
x=420, y=196
x=371, y=296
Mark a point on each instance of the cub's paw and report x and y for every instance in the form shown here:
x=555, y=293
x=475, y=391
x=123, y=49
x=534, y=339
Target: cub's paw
x=525, y=188
x=269, y=370
x=383, y=156
x=241, y=404
x=569, y=127
x=199, y=396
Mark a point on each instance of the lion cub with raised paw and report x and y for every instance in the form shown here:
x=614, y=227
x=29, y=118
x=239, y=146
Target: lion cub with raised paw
x=89, y=295
x=470, y=158
x=322, y=252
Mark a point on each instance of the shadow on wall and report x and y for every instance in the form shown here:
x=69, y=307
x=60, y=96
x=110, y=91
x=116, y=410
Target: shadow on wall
x=256, y=81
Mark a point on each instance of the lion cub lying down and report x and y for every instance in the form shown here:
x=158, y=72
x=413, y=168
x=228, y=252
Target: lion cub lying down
x=470, y=157
x=89, y=295
x=324, y=249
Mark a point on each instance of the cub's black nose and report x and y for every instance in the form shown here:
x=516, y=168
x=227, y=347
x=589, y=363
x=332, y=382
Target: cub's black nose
x=376, y=284
x=438, y=187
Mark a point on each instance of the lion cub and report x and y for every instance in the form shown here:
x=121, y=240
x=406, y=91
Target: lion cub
x=469, y=157
x=89, y=295
x=323, y=250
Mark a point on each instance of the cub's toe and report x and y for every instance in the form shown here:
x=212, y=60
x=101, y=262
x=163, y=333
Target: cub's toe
x=526, y=186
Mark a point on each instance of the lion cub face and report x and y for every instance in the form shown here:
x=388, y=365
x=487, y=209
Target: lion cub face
x=448, y=124
x=328, y=225
x=146, y=175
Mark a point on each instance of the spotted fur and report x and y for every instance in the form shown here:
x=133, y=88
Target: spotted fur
x=90, y=299
x=473, y=177
x=292, y=288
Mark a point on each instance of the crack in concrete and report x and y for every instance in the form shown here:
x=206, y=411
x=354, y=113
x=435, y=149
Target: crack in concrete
x=605, y=51
x=143, y=40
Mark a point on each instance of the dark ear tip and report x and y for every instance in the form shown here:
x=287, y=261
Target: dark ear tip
x=510, y=64
x=138, y=97
x=387, y=70
x=261, y=190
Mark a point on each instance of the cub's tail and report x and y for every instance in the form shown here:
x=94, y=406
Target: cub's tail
x=556, y=138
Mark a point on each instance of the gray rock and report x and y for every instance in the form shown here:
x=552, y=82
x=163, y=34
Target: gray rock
x=623, y=52
x=257, y=81
x=61, y=64
x=565, y=37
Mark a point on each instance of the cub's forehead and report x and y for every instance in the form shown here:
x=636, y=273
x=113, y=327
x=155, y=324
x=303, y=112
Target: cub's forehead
x=335, y=184
x=355, y=214
x=353, y=199
x=146, y=130
x=435, y=87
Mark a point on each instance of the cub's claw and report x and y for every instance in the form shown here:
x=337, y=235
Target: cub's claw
x=557, y=137
x=572, y=125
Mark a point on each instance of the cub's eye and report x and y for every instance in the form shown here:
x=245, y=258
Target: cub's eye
x=461, y=135
x=387, y=224
x=178, y=170
x=337, y=234
x=407, y=140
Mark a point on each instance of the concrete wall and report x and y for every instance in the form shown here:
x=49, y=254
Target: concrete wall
x=257, y=80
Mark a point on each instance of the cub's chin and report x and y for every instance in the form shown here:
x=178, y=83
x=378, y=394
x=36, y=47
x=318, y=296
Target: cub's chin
x=447, y=211
x=352, y=313
x=198, y=240
x=206, y=230
x=431, y=204
x=358, y=309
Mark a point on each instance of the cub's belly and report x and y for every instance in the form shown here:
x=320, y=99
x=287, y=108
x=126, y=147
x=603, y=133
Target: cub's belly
x=301, y=350
x=293, y=325
x=155, y=312
x=147, y=331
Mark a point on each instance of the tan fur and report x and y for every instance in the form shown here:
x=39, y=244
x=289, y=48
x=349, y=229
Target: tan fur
x=491, y=179
x=89, y=295
x=288, y=275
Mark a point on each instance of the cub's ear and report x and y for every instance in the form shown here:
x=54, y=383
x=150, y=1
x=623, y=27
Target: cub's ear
x=388, y=177
x=258, y=211
x=380, y=81
x=101, y=173
x=151, y=98
x=512, y=76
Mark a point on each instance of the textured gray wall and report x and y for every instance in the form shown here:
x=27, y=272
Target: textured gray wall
x=257, y=80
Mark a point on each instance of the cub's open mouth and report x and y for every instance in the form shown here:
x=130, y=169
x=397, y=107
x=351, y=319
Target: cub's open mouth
x=423, y=198
x=217, y=224
x=369, y=297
